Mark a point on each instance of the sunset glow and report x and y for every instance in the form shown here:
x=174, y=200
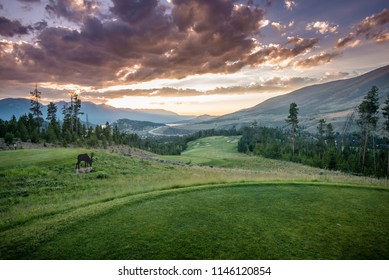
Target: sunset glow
x=218, y=104
x=190, y=57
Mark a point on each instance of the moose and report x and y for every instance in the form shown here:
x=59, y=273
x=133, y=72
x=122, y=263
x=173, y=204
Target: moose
x=85, y=158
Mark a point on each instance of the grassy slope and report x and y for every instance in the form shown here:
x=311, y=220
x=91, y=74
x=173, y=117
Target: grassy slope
x=41, y=197
x=235, y=222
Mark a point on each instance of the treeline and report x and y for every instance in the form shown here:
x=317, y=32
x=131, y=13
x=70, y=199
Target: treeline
x=362, y=152
x=275, y=143
x=75, y=133
x=36, y=128
x=25, y=129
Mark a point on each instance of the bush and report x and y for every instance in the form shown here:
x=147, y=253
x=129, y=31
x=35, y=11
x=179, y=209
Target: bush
x=9, y=138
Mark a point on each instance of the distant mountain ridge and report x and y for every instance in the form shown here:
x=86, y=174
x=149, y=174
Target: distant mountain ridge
x=97, y=114
x=332, y=101
x=199, y=119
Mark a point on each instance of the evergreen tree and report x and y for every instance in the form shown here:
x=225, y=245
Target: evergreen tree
x=107, y=133
x=36, y=107
x=52, y=113
x=330, y=136
x=321, y=140
x=51, y=135
x=293, y=121
x=76, y=111
x=22, y=129
x=35, y=137
x=3, y=128
x=368, y=117
x=66, y=125
x=53, y=129
x=30, y=124
x=330, y=158
x=13, y=125
x=385, y=112
x=116, y=137
x=71, y=112
x=99, y=132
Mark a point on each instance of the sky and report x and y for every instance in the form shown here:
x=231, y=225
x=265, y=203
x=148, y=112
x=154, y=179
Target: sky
x=191, y=57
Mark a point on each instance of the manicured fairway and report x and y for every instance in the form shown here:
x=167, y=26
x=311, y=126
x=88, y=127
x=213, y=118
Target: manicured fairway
x=235, y=222
x=213, y=151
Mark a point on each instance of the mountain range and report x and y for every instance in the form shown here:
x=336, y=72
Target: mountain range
x=96, y=113
x=332, y=101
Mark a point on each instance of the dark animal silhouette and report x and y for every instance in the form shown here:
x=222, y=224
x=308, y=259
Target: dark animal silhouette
x=85, y=158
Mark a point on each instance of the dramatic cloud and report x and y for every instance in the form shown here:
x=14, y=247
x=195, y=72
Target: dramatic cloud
x=374, y=28
x=199, y=37
x=134, y=11
x=10, y=28
x=120, y=44
x=322, y=27
x=72, y=10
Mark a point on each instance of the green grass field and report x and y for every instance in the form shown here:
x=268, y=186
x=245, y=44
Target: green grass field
x=240, y=208
x=219, y=151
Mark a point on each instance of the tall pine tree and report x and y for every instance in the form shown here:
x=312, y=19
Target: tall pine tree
x=52, y=113
x=368, y=118
x=293, y=121
x=36, y=106
x=53, y=130
x=321, y=139
x=385, y=112
x=72, y=123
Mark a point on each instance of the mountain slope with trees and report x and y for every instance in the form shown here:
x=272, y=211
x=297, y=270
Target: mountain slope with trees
x=363, y=152
x=333, y=101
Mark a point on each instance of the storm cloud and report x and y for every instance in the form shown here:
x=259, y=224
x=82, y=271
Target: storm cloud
x=10, y=28
x=72, y=10
x=143, y=43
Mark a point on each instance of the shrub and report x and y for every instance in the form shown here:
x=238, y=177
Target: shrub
x=9, y=138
